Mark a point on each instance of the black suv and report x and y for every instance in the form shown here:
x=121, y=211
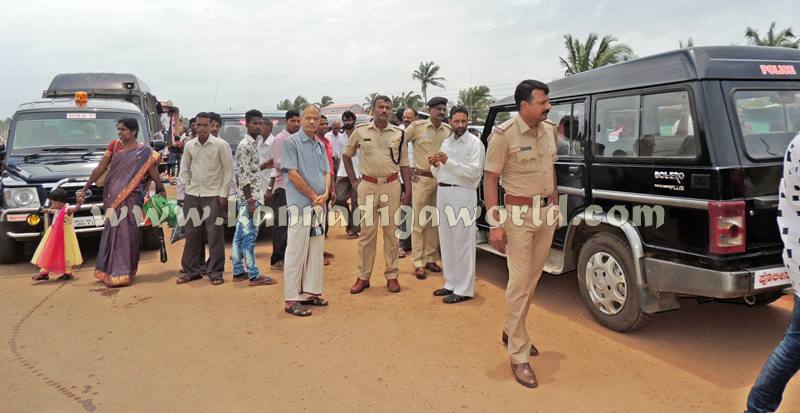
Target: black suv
x=56, y=143
x=668, y=170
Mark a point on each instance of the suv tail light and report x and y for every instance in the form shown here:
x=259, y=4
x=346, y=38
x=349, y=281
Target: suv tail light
x=726, y=223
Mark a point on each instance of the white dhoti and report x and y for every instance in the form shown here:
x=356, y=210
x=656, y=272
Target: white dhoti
x=457, y=233
x=303, y=261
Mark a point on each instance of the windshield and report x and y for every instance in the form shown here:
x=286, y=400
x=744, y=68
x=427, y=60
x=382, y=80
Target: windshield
x=768, y=120
x=91, y=130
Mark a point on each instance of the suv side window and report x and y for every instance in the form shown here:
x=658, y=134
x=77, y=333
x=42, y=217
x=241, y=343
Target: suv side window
x=667, y=127
x=650, y=126
x=561, y=115
x=569, y=120
x=617, y=126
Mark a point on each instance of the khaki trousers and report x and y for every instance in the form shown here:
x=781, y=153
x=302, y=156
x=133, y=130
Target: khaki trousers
x=378, y=204
x=424, y=238
x=526, y=251
x=303, y=262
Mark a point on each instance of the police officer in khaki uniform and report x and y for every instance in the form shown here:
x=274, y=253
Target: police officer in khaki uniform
x=522, y=151
x=426, y=137
x=381, y=155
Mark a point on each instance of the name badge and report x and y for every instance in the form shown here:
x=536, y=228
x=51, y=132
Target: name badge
x=367, y=139
x=525, y=148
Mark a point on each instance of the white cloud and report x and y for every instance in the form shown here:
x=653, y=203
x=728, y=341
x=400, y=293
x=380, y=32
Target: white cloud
x=255, y=53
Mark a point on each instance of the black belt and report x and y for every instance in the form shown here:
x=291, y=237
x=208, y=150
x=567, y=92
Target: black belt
x=447, y=185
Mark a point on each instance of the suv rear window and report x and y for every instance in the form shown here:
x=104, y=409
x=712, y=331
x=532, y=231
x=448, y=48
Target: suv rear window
x=767, y=120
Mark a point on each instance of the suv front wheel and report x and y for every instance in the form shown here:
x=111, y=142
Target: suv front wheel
x=608, y=283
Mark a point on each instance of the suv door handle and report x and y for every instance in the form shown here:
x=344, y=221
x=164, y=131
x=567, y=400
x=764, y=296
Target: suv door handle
x=574, y=169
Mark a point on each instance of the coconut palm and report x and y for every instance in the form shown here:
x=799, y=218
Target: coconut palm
x=477, y=100
x=426, y=74
x=689, y=43
x=297, y=104
x=583, y=56
x=408, y=100
x=368, y=101
x=325, y=101
x=784, y=38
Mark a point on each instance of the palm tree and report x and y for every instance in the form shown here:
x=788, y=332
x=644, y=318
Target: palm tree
x=368, y=101
x=583, y=56
x=297, y=104
x=785, y=38
x=408, y=100
x=426, y=74
x=477, y=100
x=689, y=43
x=325, y=101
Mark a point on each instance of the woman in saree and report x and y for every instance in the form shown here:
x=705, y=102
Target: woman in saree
x=129, y=167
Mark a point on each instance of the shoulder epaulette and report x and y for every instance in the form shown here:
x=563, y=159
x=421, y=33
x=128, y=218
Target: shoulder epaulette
x=504, y=126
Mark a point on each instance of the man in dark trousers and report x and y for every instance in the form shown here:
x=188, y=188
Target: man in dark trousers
x=206, y=171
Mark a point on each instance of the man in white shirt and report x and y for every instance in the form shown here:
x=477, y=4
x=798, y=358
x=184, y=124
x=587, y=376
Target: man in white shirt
x=458, y=167
x=344, y=189
x=408, y=116
x=264, y=146
x=337, y=139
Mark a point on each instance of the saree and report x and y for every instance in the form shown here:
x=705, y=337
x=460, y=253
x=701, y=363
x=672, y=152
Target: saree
x=123, y=197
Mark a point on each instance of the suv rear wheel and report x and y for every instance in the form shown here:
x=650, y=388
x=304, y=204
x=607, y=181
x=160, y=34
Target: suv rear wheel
x=608, y=283
x=9, y=248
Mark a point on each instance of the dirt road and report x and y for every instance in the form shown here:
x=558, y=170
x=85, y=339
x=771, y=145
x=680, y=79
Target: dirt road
x=157, y=346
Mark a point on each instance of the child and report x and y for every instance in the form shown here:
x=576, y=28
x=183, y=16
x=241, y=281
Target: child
x=58, y=251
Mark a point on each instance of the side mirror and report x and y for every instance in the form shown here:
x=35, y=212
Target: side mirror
x=158, y=145
x=2, y=152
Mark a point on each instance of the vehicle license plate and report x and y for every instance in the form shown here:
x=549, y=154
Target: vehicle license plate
x=90, y=221
x=771, y=277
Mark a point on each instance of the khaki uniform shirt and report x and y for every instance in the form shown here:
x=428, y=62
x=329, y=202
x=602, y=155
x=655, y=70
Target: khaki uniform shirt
x=377, y=150
x=426, y=140
x=524, y=157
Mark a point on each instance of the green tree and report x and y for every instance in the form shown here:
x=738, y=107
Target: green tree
x=368, y=101
x=297, y=104
x=477, y=99
x=689, y=43
x=408, y=100
x=583, y=56
x=427, y=73
x=784, y=38
x=325, y=101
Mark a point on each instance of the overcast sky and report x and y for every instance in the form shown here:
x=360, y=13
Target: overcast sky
x=238, y=54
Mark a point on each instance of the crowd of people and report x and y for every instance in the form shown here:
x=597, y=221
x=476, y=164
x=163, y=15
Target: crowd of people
x=395, y=169
x=381, y=173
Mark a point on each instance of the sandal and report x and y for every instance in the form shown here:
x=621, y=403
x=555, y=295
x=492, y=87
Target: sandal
x=41, y=277
x=455, y=298
x=183, y=279
x=217, y=281
x=326, y=261
x=442, y=292
x=65, y=277
x=316, y=301
x=352, y=235
x=401, y=254
x=297, y=309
